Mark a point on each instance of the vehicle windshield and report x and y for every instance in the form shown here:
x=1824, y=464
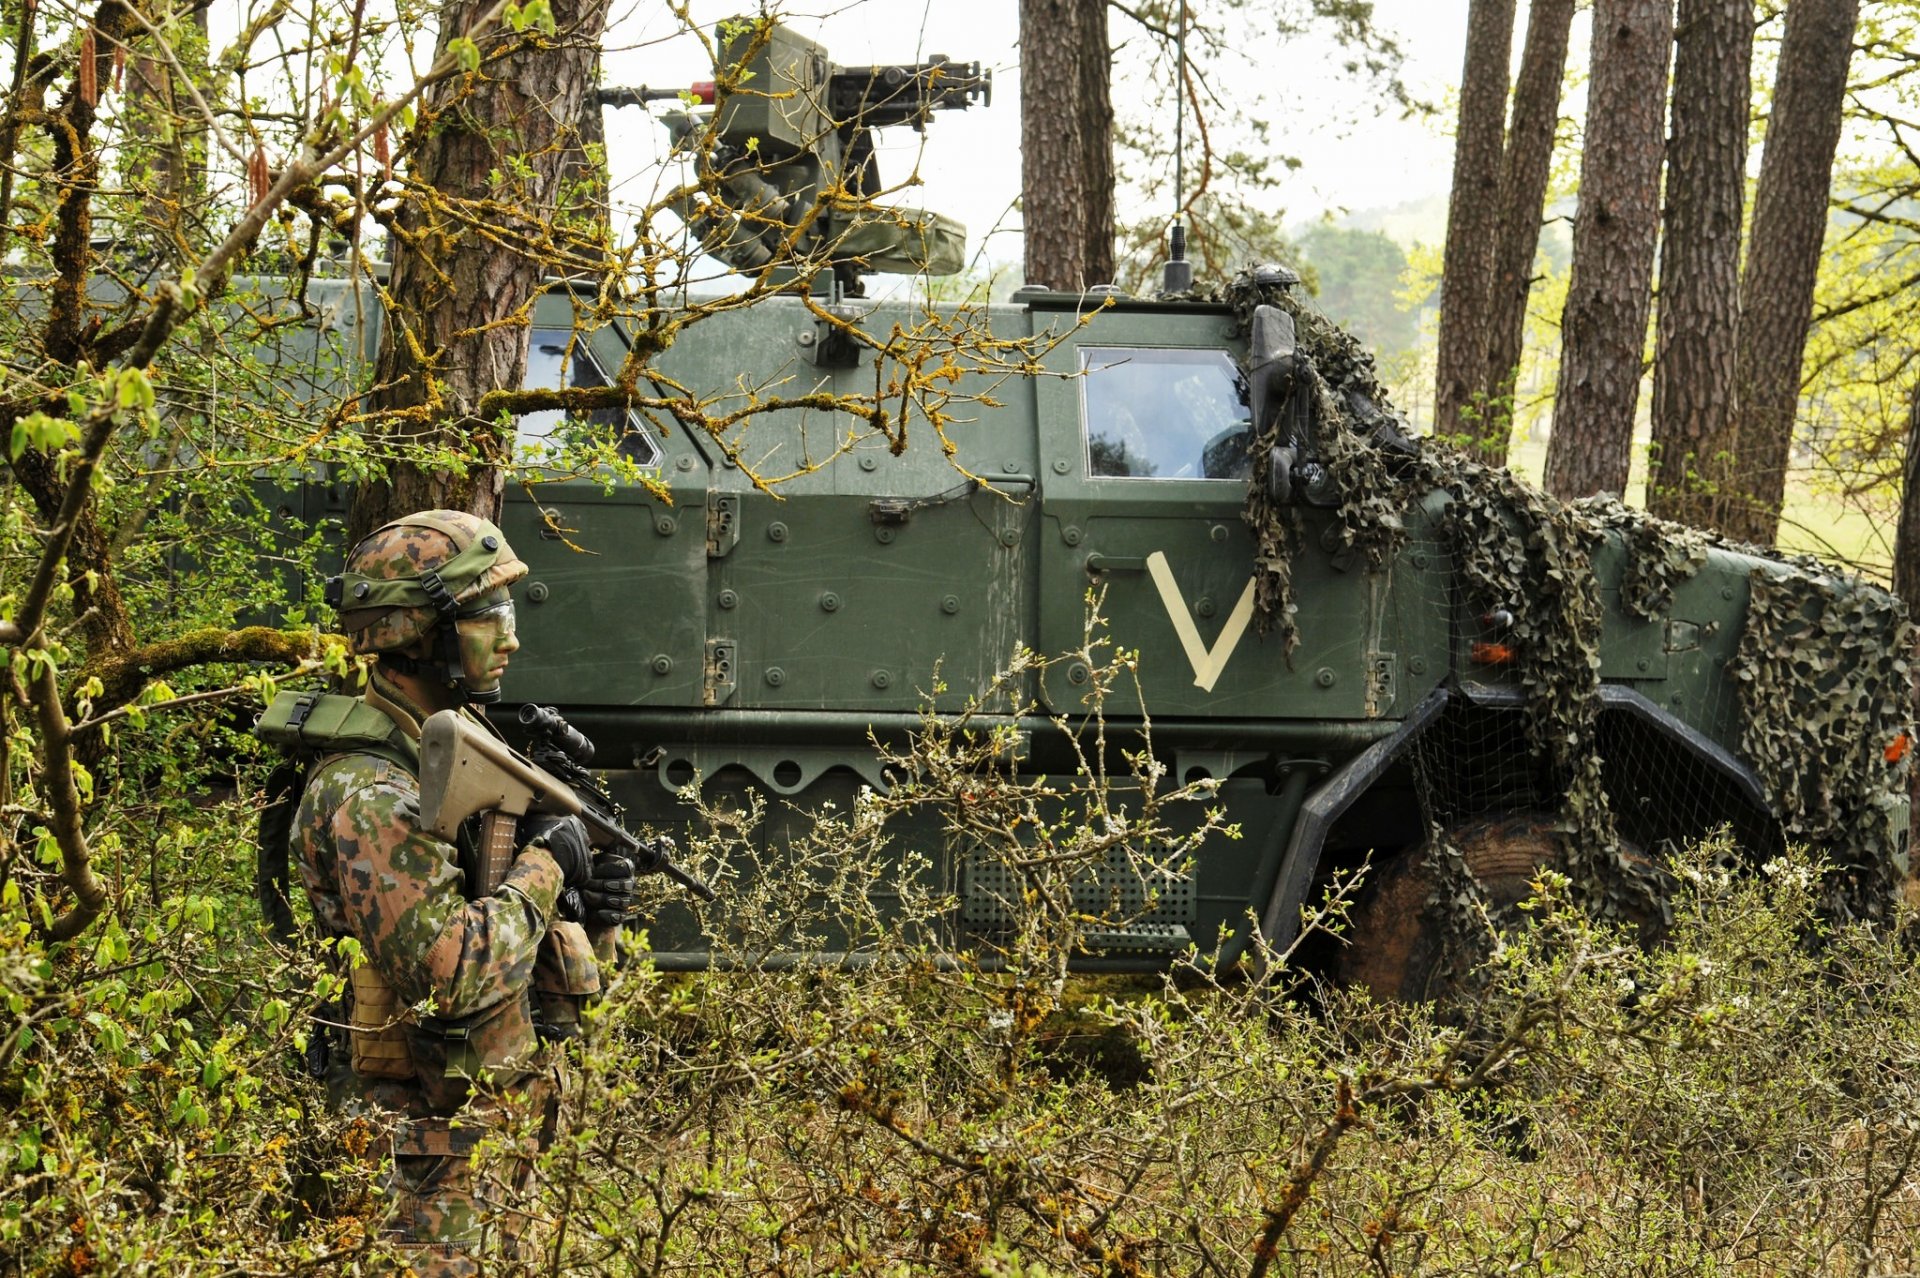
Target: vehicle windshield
x=558, y=359
x=1161, y=413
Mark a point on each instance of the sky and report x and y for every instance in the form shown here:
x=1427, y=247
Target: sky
x=970, y=164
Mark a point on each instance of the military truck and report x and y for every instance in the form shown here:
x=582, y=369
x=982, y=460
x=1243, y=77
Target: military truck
x=1377, y=653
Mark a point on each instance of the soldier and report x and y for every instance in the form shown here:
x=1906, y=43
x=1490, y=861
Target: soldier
x=455, y=996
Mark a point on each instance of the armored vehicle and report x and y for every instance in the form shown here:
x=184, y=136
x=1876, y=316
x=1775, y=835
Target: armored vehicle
x=1375, y=653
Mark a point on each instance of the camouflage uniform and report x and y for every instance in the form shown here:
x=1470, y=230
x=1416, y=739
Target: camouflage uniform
x=468, y=969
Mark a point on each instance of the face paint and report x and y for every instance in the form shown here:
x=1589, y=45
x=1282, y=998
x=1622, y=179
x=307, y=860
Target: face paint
x=487, y=640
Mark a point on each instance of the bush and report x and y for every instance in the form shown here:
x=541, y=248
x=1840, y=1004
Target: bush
x=1741, y=1099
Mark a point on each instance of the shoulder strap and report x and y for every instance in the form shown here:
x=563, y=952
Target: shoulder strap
x=327, y=723
x=270, y=878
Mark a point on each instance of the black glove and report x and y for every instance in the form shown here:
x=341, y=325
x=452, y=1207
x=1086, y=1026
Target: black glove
x=607, y=898
x=565, y=839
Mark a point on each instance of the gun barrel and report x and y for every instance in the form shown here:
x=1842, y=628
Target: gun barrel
x=906, y=93
x=648, y=858
x=640, y=95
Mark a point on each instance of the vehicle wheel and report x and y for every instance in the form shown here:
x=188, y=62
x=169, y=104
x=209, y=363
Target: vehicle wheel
x=1394, y=945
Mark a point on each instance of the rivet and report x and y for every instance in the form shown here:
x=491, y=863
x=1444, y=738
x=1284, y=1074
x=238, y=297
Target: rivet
x=881, y=679
x=727, y=599
x=1078, y=672
x=804, y=337
x=1059, y=465
x=1205, y=606
x=1011, y=537
x=664, y=525
x=1726, y=592
x=1418, y=665
x=883, y=535
x=1419, y=561
x=537, y=592
x=950, y=605
x=775, y=676
x=829, y=602
x=1325, y=677
x=490, y=542
x=684, y=463
x=776, y=531
x=1218, y=532
x=868, y=463
x=1070, y=535
x=662, y=664
x=1644, y=664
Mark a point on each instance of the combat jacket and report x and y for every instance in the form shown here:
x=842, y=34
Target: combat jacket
x=465, y=967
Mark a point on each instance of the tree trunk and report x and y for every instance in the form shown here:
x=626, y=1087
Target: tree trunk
x=1066, y=143
x=1472, y=226
x=1693, y=469
x=1603, y=330
x=470, y=246
x=1523, y=190
x=1096, y=141
x=1783, y=256
x=1906, y=543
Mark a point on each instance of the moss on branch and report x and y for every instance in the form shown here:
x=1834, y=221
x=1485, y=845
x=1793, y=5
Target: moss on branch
x=122, y=675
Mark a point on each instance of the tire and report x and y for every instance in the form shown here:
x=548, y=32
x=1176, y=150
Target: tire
x=1394, y=943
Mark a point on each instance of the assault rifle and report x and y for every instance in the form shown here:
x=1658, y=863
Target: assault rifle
x=464, y=769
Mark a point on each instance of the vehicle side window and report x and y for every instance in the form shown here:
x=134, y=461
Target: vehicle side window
x=1162, y=413
x=557, y=359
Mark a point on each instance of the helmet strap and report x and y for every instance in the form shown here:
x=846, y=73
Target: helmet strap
x=442, y=664
x=446, y=653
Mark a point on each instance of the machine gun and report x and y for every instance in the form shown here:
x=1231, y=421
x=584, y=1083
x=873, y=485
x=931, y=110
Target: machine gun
x=786, y=160
x=465, y=770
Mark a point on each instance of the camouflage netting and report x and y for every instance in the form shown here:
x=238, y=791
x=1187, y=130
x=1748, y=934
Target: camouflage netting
x=1821, y=669
x=1816, y=663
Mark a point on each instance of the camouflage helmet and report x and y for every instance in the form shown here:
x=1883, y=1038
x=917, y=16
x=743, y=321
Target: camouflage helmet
x=407, y=576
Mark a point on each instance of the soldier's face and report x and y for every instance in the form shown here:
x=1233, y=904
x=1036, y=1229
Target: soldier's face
x=487, y=640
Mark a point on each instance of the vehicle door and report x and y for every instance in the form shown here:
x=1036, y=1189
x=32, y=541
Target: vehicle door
x=1146, y=437
x=612, y=610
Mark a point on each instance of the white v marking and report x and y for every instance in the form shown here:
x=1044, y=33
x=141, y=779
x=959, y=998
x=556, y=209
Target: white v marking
x=1207, y=662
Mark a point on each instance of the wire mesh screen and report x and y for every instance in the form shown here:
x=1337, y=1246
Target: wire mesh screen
x=1125, y=899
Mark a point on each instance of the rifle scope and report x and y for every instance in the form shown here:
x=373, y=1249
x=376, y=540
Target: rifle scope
x=555, y=732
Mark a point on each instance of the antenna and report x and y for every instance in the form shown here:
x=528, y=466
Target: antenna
x=1177, y=275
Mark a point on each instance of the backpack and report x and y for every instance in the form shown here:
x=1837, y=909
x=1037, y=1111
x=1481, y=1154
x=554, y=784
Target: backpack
x=310, y=727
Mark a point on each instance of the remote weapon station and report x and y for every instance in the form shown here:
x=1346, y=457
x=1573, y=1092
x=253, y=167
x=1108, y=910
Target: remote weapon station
x=1374, y=652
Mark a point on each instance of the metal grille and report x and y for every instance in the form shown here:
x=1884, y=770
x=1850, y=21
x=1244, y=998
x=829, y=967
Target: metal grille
x=1129, y=900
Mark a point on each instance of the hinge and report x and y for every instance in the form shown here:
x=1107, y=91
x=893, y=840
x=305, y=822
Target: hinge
x=717, y=680
x=1382, y=683
x=723, y=524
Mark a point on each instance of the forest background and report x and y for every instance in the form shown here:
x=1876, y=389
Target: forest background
x=1745, y=1098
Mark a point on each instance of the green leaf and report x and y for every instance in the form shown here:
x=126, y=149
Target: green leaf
x=134, y=390
x=467, y=52
x=539, y=14
x=37, y=430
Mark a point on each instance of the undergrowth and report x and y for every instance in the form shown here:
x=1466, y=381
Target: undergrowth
x=1740, y=1100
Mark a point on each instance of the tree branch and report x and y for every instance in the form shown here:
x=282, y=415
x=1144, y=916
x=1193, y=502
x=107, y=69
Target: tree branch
x=32, y=614
x=123, y=675
x=64, y=807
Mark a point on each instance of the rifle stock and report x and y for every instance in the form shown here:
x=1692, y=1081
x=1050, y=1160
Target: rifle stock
x=464, y=770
